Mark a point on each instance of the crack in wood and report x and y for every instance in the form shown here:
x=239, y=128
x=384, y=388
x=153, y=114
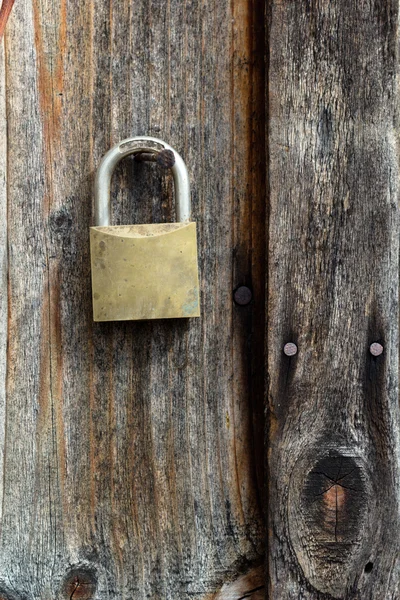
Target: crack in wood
x=77, y=584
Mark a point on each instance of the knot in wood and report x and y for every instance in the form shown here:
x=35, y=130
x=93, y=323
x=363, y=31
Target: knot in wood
x=80, y=585
x=328, y=503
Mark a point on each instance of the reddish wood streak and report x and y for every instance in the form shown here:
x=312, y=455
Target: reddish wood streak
x=334, y=500
x=4, y=14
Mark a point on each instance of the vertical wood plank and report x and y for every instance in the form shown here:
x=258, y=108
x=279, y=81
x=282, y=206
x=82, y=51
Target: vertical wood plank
x=138, y=470
x=3, y=262
x=334, y=528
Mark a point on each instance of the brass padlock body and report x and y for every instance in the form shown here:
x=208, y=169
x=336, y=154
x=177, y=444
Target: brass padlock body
x=142, y=272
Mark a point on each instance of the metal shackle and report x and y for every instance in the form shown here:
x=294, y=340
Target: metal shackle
x=137, y=145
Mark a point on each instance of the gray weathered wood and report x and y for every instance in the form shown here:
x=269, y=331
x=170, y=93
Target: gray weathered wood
x=334, y=453
x=3, y=267
x=133, y=462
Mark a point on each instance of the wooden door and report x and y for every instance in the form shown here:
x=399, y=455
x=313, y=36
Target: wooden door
x=131, y=454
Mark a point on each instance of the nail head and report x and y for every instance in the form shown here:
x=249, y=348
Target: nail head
x=290, y=349
x=166, y=159
x=243, y=295
x=376, y=349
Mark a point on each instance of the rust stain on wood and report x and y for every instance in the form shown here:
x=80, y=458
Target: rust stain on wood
x=5, y=11
x=334, y=499
x=50, y=65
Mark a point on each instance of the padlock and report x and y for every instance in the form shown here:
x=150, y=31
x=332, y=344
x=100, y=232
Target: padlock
x=149, y=271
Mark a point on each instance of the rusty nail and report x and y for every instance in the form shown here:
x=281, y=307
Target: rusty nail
x=376, y=349
x=146, y=157
x=164, y=158
x=242, y=295
x=290, y=349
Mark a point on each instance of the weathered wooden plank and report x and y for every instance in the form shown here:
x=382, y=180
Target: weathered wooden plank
x=138, y=468
x=334, y=529
x=3, y=262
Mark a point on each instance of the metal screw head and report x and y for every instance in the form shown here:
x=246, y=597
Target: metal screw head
x=243, y=296
x=290, y=349
x=376, y=349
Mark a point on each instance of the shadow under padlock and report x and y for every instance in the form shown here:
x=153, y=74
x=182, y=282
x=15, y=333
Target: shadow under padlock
x=147, y=271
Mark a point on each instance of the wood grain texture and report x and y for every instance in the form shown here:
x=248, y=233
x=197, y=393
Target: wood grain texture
x=3, y=265
x=5, y=10
x=132, y=451
x=334, y=529
x=250, y=585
